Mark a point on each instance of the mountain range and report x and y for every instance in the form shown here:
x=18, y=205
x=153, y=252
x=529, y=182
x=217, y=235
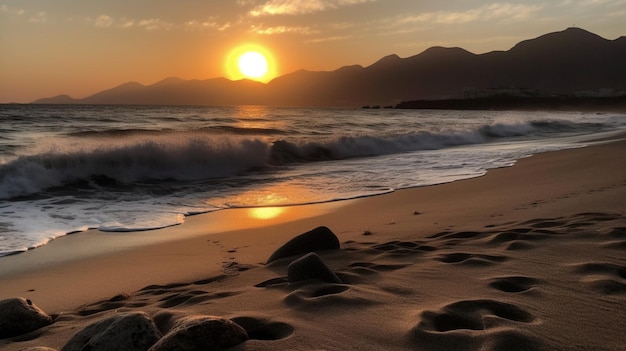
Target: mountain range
x=559, y=63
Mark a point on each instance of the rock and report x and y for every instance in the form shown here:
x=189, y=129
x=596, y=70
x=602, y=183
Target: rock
x=129, y=331
x=165, y=320
x=202, y=333
x=310, y=266
x=20, y=316
x=318, y=239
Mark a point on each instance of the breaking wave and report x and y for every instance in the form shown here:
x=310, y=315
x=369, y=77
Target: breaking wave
x=192, y=157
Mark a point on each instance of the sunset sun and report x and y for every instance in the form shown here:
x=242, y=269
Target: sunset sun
x=252, y=64
x=250, y=61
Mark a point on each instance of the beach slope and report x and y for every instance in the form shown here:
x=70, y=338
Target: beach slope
x=530, y=257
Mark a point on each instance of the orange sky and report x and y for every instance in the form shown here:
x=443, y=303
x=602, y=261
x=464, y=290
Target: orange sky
x=82, y=47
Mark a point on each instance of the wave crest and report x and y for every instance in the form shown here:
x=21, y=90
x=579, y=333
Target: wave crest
x=153, y=159
x=192, y=157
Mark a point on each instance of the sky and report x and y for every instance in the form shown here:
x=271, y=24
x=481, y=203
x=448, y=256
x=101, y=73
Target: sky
x=80, y=47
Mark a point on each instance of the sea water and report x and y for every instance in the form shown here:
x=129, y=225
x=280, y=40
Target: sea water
x=66, y=168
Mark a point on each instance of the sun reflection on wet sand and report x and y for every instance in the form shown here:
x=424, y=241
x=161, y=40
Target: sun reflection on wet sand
x=265, y=212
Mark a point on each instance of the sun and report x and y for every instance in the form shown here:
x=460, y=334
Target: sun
x=252, y=64
x=250, y=61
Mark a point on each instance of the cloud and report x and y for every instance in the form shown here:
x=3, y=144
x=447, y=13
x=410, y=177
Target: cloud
x=6, y=9
x=154, y=24
x=103, y=21
x=39, y=18
x=300, y=7
x=126, y=23
x=283, y=30
x=195, y=25
x=487, y=12
x=592, y=2
x=106, y=21
x=585, y=5
x=331, y=38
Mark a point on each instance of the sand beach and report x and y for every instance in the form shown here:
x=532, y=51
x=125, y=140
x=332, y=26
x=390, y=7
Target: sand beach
x=529, y=257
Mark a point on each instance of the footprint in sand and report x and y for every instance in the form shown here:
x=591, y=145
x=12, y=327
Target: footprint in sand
x=471, y=259
x=178, y=294
x=545, y=222
x=308, y=293
x=474, y=325
x=263, y=329
x=313, y=297
x=616, y=239
x=607, y=278
x=456, y=235
x=116, y=302
x=402, y=248
x=514, y=284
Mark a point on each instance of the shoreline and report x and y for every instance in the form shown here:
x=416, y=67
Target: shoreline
x=522, y=103
x=94, y=244
x=598, y=137
x=461, y=226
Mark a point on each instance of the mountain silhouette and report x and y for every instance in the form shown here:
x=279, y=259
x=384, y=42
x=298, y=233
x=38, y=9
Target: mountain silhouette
x=559, y=63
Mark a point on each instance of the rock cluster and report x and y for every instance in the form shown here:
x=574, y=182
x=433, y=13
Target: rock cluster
x=136, y=331
x=127, y=331
x=133, y=331
x=310, y=265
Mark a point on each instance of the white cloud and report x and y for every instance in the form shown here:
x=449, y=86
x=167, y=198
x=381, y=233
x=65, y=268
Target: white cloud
x=6, y=9
x=487, y=12
x=586, y=4
x=299, y=7
x=154, y=24
x=39, y=18
x=283, y=30
x=195, y=25
x=126, y=23
x=104, y=21
x=331, y=38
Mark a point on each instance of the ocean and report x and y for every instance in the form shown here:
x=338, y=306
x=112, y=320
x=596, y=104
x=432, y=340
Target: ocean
x=68, y=168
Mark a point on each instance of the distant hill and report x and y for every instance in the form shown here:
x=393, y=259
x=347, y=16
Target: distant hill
x=59, y=99
x=559, y=63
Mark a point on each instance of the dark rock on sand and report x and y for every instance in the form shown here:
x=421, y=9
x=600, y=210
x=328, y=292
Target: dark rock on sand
x=129, y=331
x=202, y=333
x=318, y=239
x=20, y=316
x=310, y=266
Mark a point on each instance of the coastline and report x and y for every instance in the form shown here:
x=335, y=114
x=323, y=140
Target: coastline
x=233, y=243
x=523, y=103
